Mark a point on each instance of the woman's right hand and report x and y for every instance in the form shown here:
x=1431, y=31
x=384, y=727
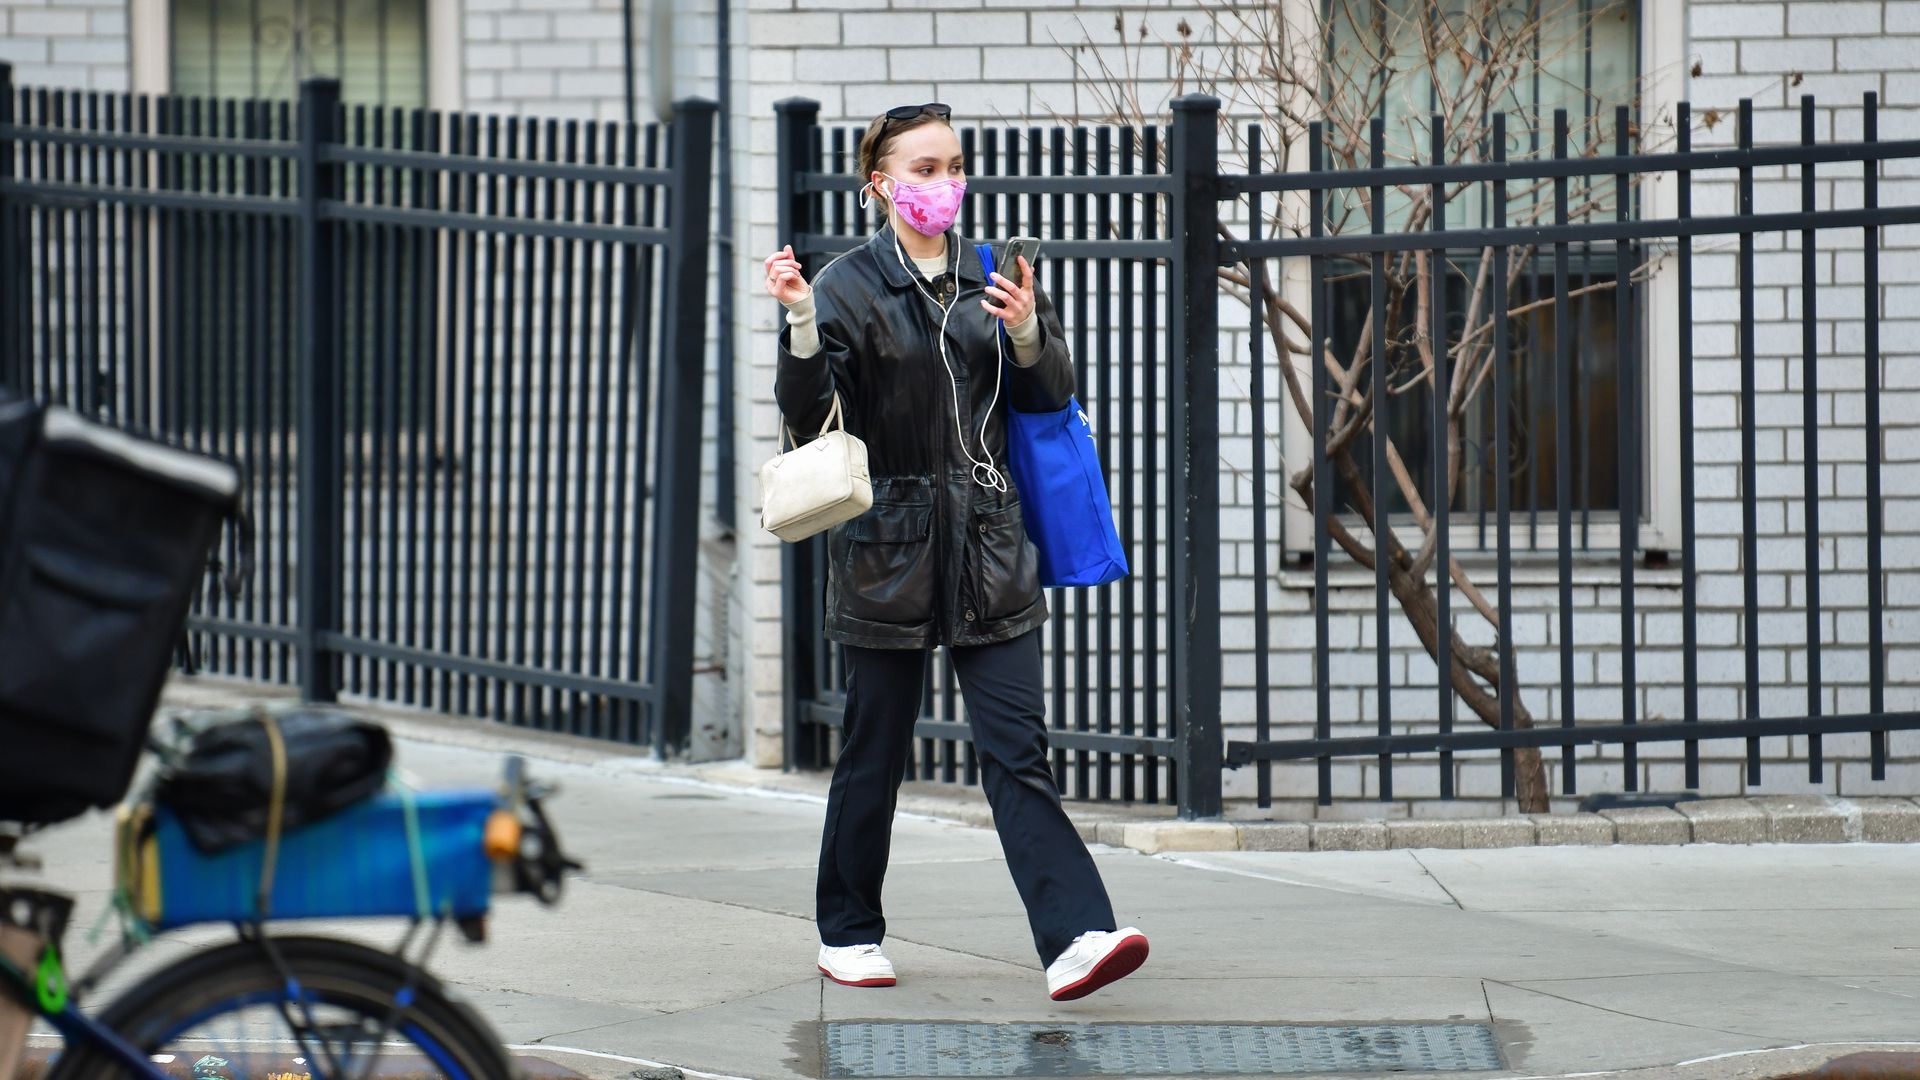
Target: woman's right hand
x=785, y=282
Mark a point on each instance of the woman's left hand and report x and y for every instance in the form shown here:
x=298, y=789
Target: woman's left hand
x=1016, y=301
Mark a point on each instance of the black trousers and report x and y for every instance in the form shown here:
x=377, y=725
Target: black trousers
x=1051, y=867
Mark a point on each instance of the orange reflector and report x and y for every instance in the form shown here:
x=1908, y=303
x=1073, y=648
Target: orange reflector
x=503, y=836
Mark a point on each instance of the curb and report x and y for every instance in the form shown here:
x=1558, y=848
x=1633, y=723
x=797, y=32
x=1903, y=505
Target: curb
x=1766, y=819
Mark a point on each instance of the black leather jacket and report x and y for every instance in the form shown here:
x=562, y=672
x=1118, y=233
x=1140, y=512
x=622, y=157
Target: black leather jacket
x=940, y=559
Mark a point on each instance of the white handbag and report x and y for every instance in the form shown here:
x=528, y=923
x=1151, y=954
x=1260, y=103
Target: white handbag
x=812, y=488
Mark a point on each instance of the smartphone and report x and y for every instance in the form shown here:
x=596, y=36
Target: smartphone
x=1018, y=247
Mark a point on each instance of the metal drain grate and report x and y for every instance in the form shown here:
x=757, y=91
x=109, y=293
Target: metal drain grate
x=859, y=1050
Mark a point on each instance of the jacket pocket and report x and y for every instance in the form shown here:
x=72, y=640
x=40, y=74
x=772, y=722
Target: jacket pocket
x=1009, y=568
x=889, y=571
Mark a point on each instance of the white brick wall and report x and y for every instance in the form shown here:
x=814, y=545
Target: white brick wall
x=72, y=44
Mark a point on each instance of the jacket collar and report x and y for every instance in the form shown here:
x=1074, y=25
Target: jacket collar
x=883, y=247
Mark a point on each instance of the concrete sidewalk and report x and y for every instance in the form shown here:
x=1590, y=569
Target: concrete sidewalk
x=689, y=938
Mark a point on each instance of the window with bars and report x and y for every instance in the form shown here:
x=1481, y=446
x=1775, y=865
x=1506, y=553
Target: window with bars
x=1408, y=60
x=264, y=48
x=235, y=51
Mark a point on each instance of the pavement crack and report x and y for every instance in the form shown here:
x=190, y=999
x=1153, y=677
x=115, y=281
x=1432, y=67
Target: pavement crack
x=959, y=952
x=735, y=1000
x=578, y=1031
x=1435, y=878
x=1622, y=1012
x=735, y=904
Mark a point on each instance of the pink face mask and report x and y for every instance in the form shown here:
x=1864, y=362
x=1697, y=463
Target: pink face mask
x=929, y=209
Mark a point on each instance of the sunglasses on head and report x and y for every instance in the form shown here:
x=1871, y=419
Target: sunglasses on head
x=901, y=113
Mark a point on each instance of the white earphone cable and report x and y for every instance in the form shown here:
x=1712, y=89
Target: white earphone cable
x=984, y=472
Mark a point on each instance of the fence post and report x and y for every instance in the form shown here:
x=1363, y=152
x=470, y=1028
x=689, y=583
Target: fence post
x=798, y=117
x=1195, y=386
x=319, y=441
x=676, y=541
x=10, y=361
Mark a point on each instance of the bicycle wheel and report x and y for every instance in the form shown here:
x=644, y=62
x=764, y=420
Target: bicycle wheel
x=338, y=1011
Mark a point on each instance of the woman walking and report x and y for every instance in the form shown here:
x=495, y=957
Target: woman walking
x=905, y=332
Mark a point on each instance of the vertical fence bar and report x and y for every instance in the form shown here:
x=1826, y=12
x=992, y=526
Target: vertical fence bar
x=606, y=602
x=543, y=201
x=1323, y=409
x=563, y=205
x=1082, y=598
x=356, y=279
x=47, y=369
x=460, y=465
x=1382, y=477
x=1103, y=339
x=512, y=483
x=86, y=267
x=1256, y=372
x=261, y=360
x=1810, y=435
x=1563, y=346
x=421, y=369
x=1196, y=382
x=582, y=710
x=319, y=434
x=1689, y=557
x=1442, y=465
x=12, y=356
x=1627, y=415
x=623, y=553
x=798, y=119
x=390, y=358
x=481, y=549
x=444, y=467
x=525, y=485
x=1749, y=469
x=59, y=304
x=1129, y=659
x=682, y=383
x=1502, y=457
x=1876, y=585
x=646, y=308
x=1150, y=367
x=1057, y=623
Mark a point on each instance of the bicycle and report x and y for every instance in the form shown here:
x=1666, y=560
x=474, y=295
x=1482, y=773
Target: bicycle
x=276, y=1007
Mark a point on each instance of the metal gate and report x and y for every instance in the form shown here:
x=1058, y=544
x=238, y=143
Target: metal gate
x=1135, y=255
x=460, y=358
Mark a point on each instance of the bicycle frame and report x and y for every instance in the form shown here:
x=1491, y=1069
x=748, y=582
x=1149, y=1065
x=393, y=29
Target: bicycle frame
x=536, y=865
x=75, y=1027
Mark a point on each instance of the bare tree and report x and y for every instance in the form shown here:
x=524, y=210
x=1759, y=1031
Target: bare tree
x=1292, y=63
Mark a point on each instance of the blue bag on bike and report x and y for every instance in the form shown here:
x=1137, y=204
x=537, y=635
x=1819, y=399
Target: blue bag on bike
x=1063, y=491
x=396, y=854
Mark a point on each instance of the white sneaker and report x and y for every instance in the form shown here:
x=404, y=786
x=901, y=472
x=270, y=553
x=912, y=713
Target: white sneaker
x=1095, y=959
x=856, y=965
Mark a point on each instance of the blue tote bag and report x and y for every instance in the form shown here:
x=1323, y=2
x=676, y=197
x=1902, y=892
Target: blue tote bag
x=1063, y=491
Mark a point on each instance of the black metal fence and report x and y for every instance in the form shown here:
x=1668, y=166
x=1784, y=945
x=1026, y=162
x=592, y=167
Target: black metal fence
x=460, y=358
x=1136, y=667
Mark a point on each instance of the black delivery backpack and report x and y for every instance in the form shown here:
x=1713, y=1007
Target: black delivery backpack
x=103, y=537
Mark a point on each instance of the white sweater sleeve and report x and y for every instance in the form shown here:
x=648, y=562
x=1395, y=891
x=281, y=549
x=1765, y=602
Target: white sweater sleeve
x=803, y=333
x=1026, y=341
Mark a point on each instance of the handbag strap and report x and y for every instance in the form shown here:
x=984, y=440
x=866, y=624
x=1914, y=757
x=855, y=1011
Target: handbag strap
x=834, y=420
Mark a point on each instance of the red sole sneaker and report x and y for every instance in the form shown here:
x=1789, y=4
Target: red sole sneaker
x=1124, y=960
x=862, y=982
